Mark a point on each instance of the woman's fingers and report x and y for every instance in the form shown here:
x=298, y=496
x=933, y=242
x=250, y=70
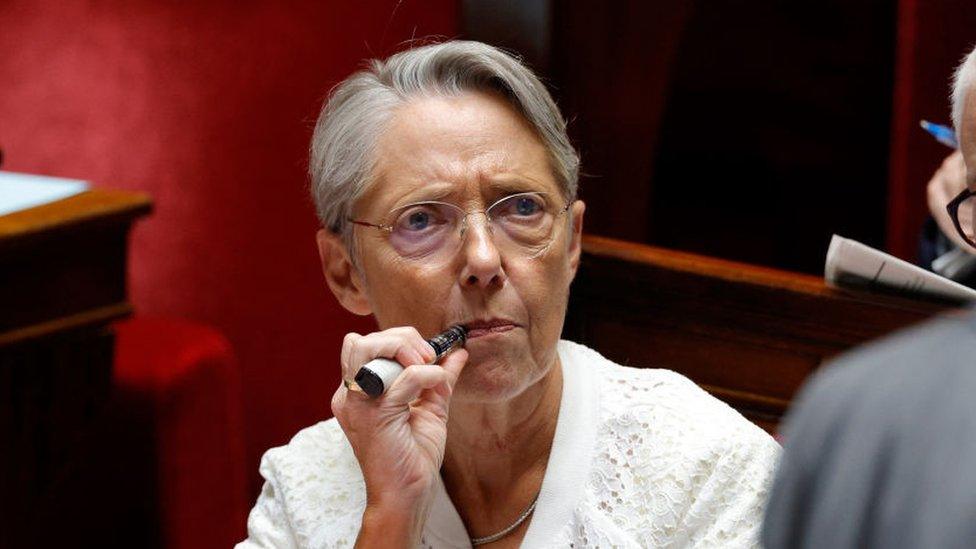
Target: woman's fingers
x=439, y=396
x=455, y=362
x=347, y=343
x=405, y=345
x=415, y=380
x=338, y=404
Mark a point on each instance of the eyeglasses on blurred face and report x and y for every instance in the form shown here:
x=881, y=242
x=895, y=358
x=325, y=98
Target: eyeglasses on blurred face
x=962, y=211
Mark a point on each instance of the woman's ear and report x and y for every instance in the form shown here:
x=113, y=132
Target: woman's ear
x=341, y=275
x=576, y=238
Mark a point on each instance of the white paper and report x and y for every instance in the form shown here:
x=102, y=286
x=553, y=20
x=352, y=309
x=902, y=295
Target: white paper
x=19, y=191
x=848, y=259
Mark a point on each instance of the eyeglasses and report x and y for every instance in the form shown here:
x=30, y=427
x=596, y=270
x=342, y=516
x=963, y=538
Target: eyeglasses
x=961, y=211
x=433, y=231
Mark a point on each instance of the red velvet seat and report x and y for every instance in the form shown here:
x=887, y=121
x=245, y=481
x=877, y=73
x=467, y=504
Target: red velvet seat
x=182, y=379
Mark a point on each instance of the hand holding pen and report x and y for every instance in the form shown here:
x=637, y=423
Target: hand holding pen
x=378, y=375
x=399, y=437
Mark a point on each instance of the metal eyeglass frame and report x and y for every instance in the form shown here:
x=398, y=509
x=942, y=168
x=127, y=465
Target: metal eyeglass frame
x=389, y=228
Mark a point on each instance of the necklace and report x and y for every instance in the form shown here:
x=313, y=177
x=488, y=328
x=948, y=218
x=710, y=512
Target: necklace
x=508, y=529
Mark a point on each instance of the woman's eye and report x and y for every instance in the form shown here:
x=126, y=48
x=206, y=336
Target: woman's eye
x=526, y=205
x=418, y=221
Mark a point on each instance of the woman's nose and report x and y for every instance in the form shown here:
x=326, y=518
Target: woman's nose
x=482, y=262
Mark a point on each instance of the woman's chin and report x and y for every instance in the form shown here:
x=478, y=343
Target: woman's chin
x=488, y=382
x=494, y=379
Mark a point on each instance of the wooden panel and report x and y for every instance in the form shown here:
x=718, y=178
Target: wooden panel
x=61, y=276
x=62, y=281
x=749, y=334
x=697, y=354
x=63, y=265
x=50, y=394
x=91, y=208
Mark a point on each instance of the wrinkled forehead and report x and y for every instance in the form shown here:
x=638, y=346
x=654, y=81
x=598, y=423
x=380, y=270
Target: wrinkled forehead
x=473, y=146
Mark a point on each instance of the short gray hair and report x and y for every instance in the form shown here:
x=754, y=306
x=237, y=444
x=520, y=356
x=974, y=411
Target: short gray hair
x=962, y=83
x=341, y=156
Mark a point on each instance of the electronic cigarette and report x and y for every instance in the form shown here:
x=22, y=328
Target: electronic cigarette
x=377, y=375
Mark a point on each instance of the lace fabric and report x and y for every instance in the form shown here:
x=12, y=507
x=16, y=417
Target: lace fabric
x=669, y=466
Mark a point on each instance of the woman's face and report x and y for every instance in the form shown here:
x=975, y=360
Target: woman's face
x=470, y=150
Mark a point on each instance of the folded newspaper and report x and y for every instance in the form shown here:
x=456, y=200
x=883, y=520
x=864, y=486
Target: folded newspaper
x=852, y=264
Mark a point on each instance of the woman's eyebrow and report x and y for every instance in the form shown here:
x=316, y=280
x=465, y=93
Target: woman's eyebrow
x=515, y=184
x=495, y=187
x=435, y=192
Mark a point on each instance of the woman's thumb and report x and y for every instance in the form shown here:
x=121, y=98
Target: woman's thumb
x=454, y=363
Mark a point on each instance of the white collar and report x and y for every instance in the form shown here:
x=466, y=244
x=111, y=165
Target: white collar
x=566, y=472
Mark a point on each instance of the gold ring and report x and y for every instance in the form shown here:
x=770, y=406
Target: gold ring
x=352, y=386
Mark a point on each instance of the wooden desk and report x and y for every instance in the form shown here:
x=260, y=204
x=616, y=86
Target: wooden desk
x=62, y=281
x=750, y=335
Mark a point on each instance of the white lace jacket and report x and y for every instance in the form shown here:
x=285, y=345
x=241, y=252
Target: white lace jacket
x=641, y=458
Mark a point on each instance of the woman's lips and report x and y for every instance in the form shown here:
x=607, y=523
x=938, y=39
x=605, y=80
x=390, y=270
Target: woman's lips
x=486, y=330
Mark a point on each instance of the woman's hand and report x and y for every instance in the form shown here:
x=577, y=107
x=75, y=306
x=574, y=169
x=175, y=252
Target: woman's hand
x=947, y=182
x=398, y=437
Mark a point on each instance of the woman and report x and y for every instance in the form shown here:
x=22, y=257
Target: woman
x=446, y=183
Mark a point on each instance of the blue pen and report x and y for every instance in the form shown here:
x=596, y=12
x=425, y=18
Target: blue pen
x=942, y=134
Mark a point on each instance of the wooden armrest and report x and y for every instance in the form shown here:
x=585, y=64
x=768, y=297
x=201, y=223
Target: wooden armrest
x=748, y=334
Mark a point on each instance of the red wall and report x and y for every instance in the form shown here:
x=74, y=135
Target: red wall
x=208, y=107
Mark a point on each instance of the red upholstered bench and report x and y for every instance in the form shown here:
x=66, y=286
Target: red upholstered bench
x=181, y=380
